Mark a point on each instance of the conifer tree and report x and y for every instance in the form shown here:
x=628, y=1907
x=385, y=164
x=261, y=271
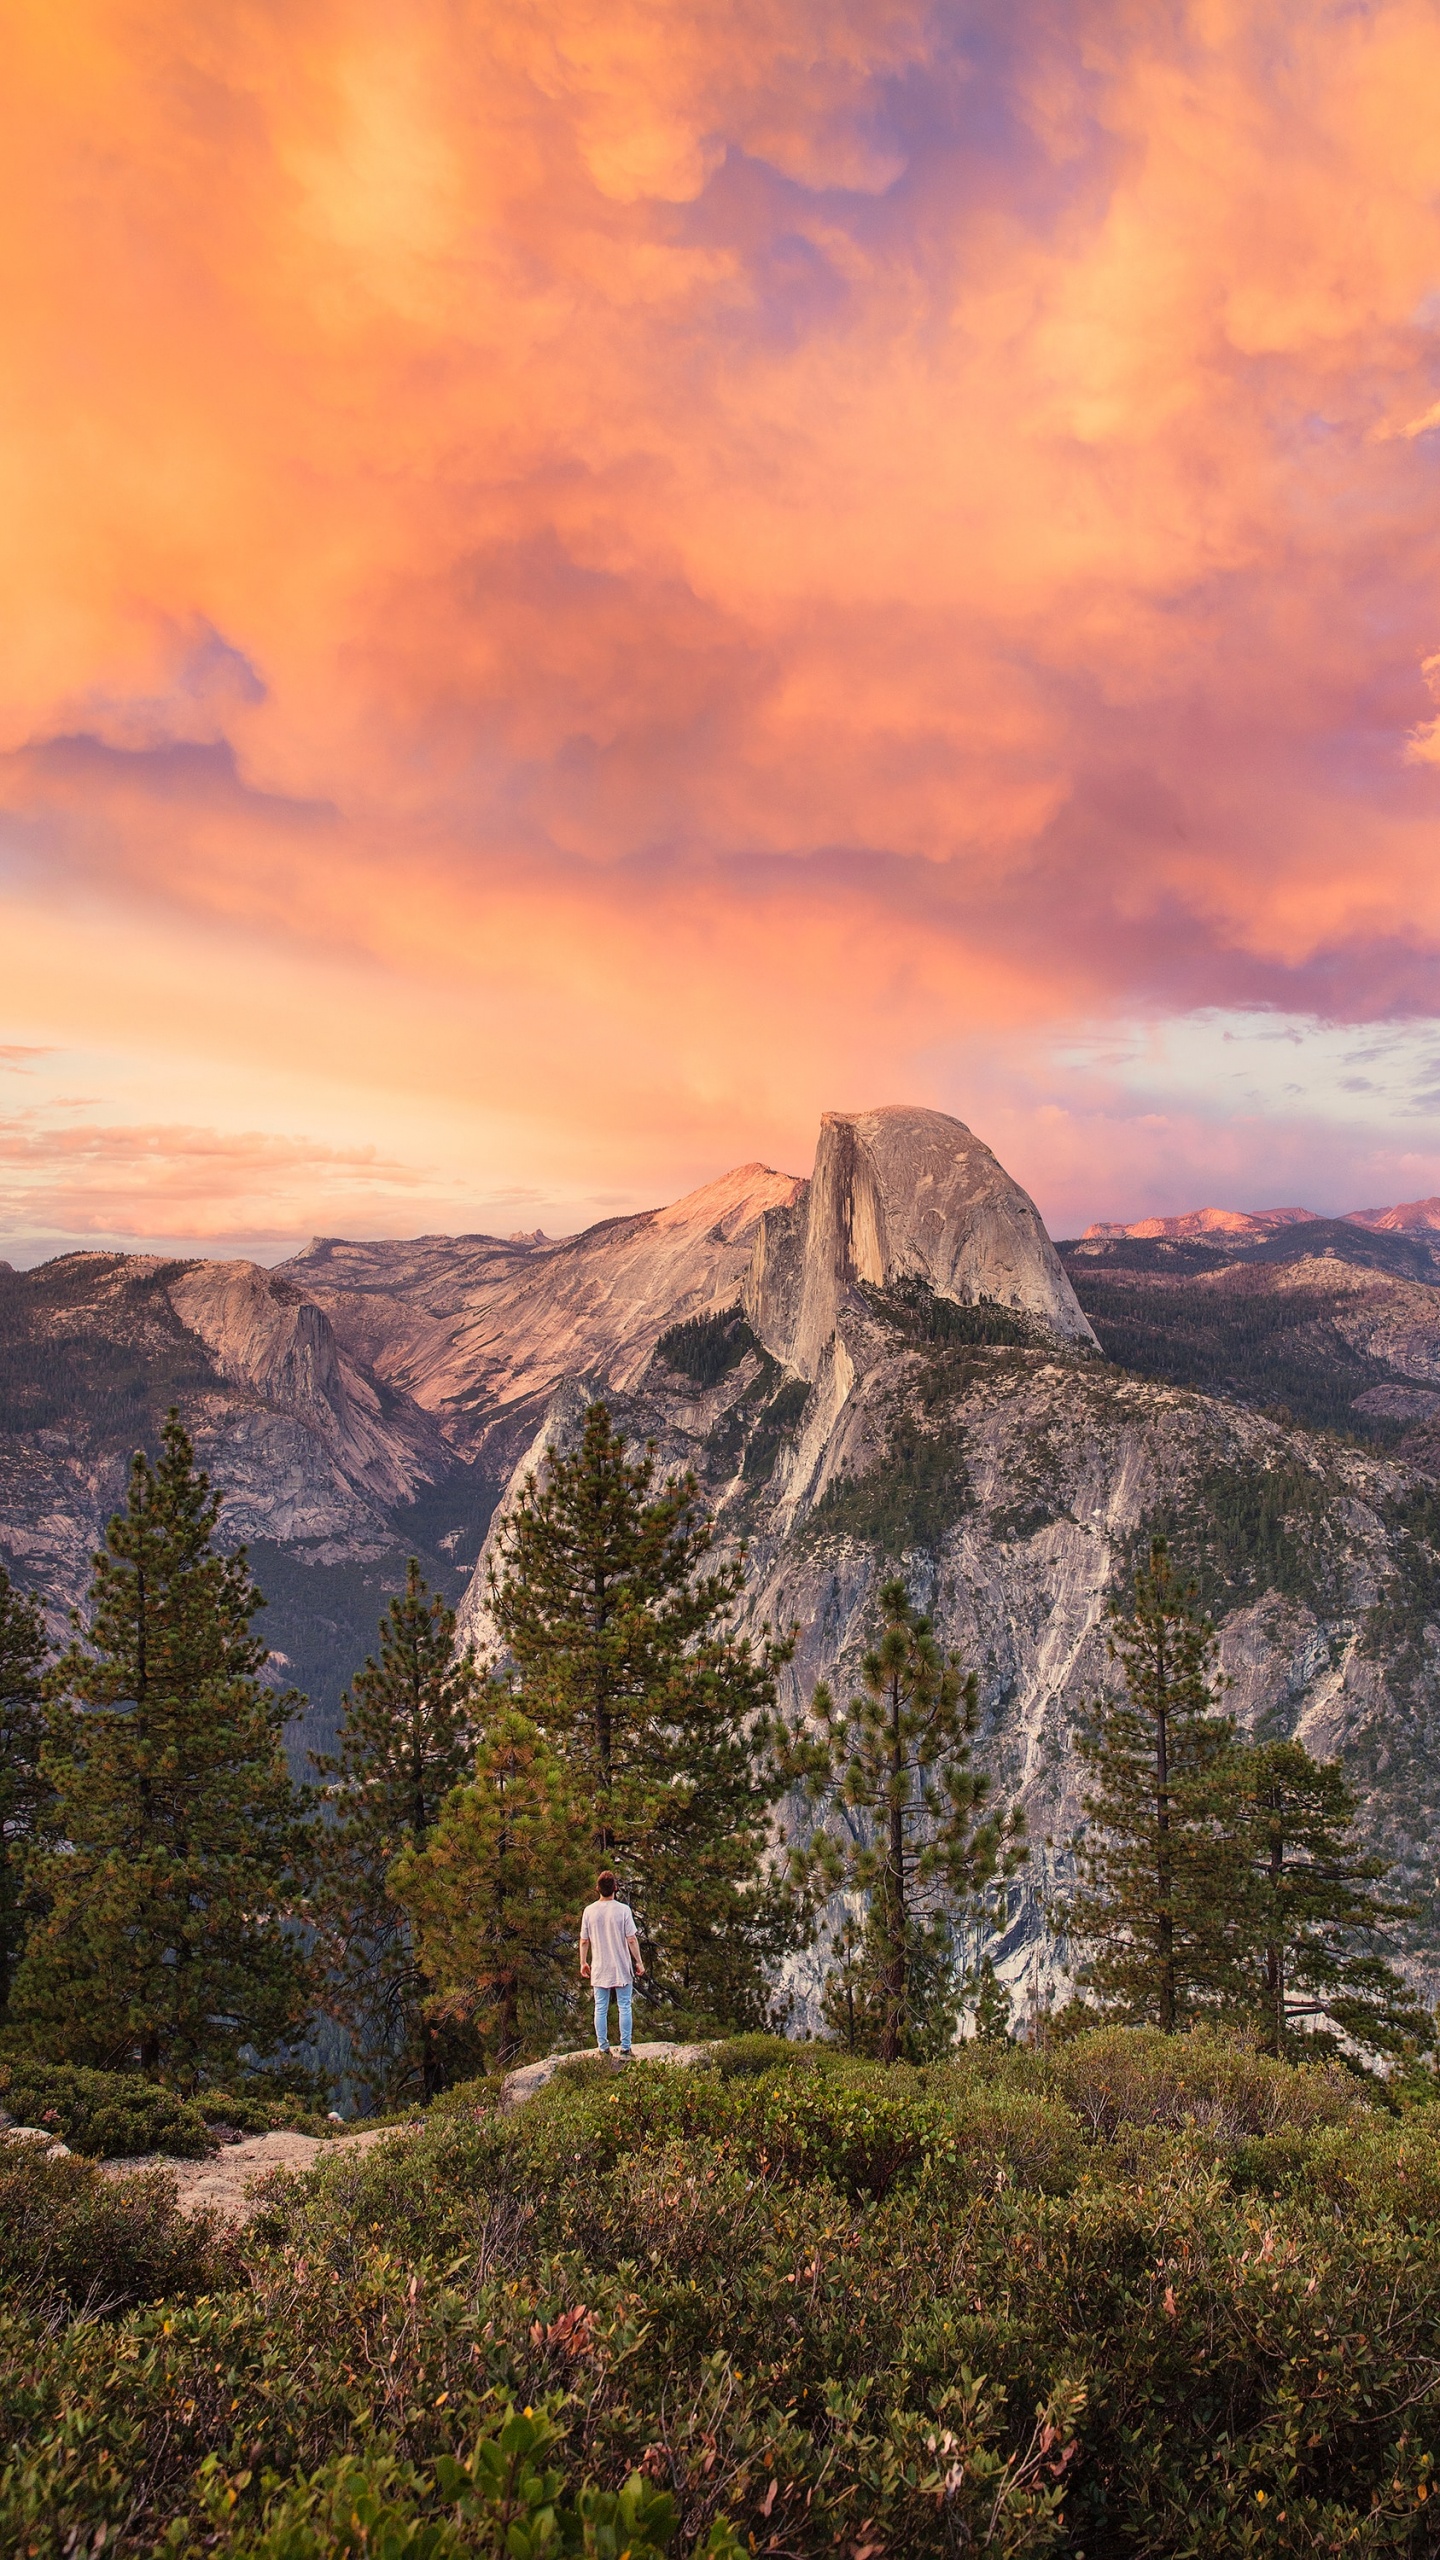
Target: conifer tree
x=903, y=1815
x=24, y=1651
x=494, y=1896
x=1162, y=1915
x=1321, y=1923
x=992, y=2007
x=659, y=1713
x=169, y=1853
x=407, y=1736
x=848, y=2002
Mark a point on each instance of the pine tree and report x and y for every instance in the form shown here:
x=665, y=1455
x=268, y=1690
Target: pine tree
x=1162, y=1913
x=849, y=2006
x=169, y=1854
x=992, y=2007
x=24, y=1651
x=658, y=1712
x=1321, y=1923
x=495, y=1895
x=903, y=1820
x=407, y=1737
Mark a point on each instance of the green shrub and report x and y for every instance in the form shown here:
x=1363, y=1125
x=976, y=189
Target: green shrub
x=1135, y=2075
x=73, y=2240
x=499, y=2498
x=1122, y=2299
x=110, y=2115
x=743, y=2057
x=116, y=2115
x=480, y=2096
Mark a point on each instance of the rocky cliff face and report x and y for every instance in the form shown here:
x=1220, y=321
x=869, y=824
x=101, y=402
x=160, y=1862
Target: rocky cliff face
x=480, y=1331
x=897, y=1195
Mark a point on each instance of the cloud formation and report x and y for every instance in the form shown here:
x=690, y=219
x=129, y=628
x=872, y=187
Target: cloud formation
x=626, y=574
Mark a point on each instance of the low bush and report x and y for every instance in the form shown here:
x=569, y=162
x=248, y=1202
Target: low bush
x=116, y=2115
x=1133, y=2300
x=744, y=2057
x=1134, y=2075
x=480, y=2096
x=73, y=2240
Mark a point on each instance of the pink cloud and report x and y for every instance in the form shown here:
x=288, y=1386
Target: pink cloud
x=737, y=547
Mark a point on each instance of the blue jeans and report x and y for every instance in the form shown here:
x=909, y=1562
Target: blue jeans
x=624, y=1992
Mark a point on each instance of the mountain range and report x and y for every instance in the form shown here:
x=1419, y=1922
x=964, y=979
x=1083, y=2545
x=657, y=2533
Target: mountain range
x=886, y=1363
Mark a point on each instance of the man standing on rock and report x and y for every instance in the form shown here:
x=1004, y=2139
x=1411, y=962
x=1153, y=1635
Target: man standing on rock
x=610, y=1958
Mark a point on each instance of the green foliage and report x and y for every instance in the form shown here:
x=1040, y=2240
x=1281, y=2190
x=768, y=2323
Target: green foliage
x=406, y=1739
x=169, y=1854
x=1244, y=1530
x=1320, y=1922
x=917, y=1492
x=705, y=1347
x=74, y=2241
x=1161, y=1909
x=745, y=2057
x=656, y=1711
x=115, y=2115
x=911, y=1308
x=777, y=1418
x=24, y=1650
x=902, y=1817
x=992, y=2006
x=1396, y=1628
x=1135, y=2295
x=1262, y=1347
x=499, y=2498
x=495, y=1891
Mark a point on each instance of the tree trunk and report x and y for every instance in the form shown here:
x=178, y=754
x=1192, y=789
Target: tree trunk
x=604, y=1722
x=1275, y=1955
x=895, y=1983
x=1164, y=1856
x=508, y=2032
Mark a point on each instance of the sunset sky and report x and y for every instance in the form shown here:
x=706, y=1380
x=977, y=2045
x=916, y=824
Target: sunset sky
x=587, y=579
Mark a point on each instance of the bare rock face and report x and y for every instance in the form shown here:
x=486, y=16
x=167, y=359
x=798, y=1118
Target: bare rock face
x=264, y=1335
x=901, y=1194
x=480, y=1329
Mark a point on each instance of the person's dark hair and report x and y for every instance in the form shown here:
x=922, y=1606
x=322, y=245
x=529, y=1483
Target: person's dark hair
x=606, y=1881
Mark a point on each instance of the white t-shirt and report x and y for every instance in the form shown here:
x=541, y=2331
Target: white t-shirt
x=608, y=1926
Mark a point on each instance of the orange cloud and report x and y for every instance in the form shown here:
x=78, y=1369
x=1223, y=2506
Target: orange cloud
x=625, y=574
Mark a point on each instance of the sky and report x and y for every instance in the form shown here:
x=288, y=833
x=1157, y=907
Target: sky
x=589, y=579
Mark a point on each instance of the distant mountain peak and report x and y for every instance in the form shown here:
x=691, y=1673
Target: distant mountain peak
x=1249, y=1224
x=1254, y=1226
x=1410, y=1218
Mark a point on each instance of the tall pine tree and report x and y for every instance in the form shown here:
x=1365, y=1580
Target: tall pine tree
x=171, y=1848
x=407, y=1736
x=1321, y=1924
x=904, y=1822
x=659, y=1713
x=24, y=1651
x=495, y=1895
x=1162, y=1915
